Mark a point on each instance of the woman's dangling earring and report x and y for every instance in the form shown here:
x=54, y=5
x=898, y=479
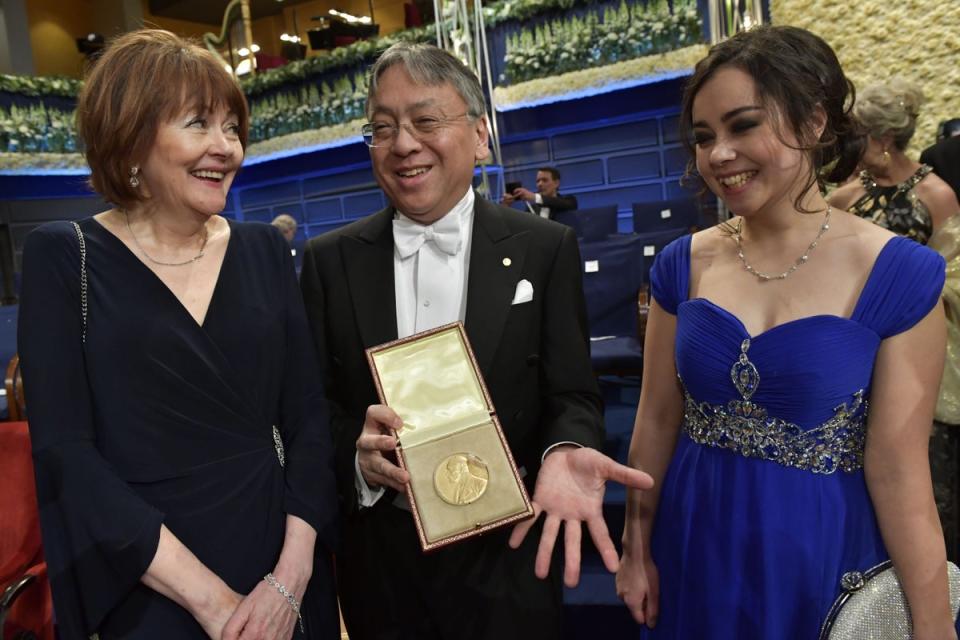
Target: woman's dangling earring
x=886, y=157
x=134, y=180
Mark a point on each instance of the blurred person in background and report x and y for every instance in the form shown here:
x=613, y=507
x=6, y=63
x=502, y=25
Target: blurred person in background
x=893, y=190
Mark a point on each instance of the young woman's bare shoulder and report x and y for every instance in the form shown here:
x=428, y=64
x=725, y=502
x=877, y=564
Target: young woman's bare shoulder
x=708, y=243
x=861, y=240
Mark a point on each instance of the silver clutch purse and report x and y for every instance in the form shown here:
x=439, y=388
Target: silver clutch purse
x=873, y=607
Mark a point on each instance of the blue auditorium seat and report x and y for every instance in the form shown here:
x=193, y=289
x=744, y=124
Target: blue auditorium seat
x=665, y=215
x=612, y=279
x=652, y=243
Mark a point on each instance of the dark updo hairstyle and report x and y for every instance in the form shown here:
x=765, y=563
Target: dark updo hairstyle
x=794, y=71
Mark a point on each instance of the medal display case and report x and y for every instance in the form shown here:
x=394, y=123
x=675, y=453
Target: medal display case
x=463, y=478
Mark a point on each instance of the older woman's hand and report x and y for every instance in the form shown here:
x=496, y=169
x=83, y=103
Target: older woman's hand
x=218, y=609
x=265, y=614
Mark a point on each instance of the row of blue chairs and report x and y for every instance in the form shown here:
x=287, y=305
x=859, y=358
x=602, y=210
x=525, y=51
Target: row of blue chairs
x=616, y=274
x=648, y=217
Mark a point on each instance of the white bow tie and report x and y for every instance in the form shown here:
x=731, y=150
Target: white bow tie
x=409, y=236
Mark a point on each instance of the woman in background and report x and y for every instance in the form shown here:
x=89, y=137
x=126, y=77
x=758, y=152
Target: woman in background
x=179, y=429
x=893, y=190
x=907, y=198
x=767, y=339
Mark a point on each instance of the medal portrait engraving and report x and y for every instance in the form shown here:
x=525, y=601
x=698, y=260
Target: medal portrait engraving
x=461, y=479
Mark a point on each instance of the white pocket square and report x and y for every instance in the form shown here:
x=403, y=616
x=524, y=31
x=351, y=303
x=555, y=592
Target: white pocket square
x=524, y=292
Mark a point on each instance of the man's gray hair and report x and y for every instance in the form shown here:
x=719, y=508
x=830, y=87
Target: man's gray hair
x=431, y=66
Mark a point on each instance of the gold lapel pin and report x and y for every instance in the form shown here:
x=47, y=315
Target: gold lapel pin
x=507, y=262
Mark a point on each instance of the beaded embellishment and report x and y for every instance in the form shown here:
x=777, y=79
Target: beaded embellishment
x=278, y=445
x=745, y=428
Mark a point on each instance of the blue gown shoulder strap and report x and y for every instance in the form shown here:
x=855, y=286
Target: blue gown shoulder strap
x=670, y=274
x=904, y=285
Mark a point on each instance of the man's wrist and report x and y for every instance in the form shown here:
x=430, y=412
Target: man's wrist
x=559, y=446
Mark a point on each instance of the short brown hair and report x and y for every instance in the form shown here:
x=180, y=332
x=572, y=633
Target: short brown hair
x=143, y=79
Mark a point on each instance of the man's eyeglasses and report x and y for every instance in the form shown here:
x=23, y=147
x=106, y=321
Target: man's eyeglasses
x=384, y=134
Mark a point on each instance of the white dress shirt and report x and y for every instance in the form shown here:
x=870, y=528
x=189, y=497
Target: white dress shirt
x=544, y=211
x=431, y=290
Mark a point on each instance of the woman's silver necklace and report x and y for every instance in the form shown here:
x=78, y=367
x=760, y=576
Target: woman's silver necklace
x=738, y=236
x=203, y=245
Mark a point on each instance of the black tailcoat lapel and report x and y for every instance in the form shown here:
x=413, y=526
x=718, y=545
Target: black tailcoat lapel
x=496, y=262
x=368, y=264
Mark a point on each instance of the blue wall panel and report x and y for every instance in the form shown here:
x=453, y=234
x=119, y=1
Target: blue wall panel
x=324, y=210
x=635, y=166
x=581, y=174
x=357, y=206
x=606, y=139
x=283, y=192
x=675, y=161
x=670, y=129
x=623, y=197
x=677, y=190
x=346, y=181
x=258, y=215
x=526, y=152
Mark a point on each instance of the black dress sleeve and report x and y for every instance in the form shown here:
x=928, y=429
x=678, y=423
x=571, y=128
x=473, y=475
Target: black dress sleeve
x=99, y=537
x=344, y=426
x=305, y=419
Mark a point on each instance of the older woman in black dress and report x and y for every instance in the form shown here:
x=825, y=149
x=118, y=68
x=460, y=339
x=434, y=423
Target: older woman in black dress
x=179, y=428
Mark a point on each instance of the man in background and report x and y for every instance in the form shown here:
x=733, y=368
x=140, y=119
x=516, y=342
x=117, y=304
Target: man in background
x=944, y=156
x=287, y=226
x=547, y=200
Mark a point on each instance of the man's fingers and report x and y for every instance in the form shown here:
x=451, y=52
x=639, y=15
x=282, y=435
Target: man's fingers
x=627, y=475
x=520, y=529
x=551, y=527
x=369, y=442
x=571, y=541
x=603, y=543
x=377, y=471
x=380, y=417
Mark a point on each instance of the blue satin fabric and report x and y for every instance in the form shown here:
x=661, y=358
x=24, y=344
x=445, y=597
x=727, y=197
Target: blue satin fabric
x=749, y=548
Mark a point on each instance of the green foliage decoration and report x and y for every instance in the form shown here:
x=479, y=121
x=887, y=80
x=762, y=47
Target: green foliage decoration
x=37, y=129
x=308, y=108
x=574, y=43
x=36, y=86
x=294, y=98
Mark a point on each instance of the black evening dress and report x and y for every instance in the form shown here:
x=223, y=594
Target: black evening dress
x=140, y=416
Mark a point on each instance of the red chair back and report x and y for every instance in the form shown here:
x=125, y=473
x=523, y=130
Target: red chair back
x=20, y=547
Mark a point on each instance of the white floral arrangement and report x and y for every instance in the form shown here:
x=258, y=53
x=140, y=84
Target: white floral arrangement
x=876, y=40
x=37, y=129
x=616, y=75
x=598, y=40
x=46, y=163
x=308, y=108
x=305, y=141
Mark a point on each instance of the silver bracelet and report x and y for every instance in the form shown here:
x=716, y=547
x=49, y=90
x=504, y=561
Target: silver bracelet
x=291, y=600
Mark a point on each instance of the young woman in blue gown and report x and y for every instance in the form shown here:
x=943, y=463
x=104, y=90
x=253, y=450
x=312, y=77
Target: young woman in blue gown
x=791, y=368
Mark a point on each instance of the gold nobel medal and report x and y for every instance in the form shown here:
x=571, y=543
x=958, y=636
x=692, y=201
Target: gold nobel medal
x=461, y=479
